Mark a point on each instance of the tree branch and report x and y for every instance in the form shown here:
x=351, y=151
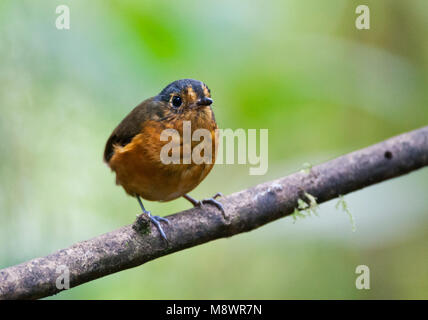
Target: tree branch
x=246, y=210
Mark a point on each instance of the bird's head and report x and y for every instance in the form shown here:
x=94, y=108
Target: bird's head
x=185, y=95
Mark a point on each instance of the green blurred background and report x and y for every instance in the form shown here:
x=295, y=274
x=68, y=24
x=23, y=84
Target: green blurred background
x=299, y=68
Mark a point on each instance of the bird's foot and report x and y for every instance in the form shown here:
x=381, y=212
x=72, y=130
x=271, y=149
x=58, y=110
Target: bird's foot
x=155, y=220
x=212, y=200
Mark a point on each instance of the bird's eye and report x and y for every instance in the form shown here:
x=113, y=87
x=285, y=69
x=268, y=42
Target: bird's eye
x=176, y=101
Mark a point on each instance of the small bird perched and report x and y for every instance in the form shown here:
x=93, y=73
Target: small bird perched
x=133, y=150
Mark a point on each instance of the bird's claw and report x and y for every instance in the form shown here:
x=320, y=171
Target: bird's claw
x=156, y=221
x=212, y=201
x=200, y=203
x=157, y=218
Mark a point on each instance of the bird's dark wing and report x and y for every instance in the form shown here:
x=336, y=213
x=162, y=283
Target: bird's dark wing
x=129, y=127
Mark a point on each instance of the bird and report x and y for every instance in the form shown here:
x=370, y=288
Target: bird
x=133, y=150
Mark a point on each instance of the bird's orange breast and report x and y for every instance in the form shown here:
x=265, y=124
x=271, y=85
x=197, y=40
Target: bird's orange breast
x=138, y=164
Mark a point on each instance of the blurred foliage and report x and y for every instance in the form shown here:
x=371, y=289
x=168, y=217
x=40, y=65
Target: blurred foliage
x=299, y=68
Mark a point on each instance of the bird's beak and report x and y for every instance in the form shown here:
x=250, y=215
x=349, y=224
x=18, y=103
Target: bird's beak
x=204, y=102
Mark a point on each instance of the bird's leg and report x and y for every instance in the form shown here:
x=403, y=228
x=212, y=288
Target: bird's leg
x=154, y=219
x=200, y=203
